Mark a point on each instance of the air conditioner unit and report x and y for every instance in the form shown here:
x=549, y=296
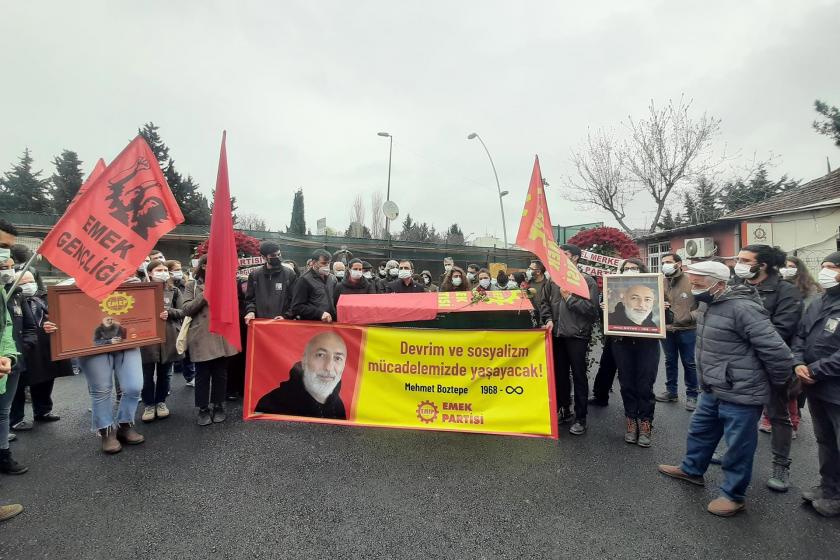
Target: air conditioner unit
x=699, y=247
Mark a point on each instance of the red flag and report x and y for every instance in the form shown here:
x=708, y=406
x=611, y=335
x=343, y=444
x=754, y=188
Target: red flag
x=112, y=226
x=222, y=262
x=536, y=235
x=98, y=170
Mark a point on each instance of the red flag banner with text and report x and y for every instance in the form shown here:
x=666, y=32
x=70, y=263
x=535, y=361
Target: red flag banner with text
x=535, y=235
x=98, y=170
x=115, y=223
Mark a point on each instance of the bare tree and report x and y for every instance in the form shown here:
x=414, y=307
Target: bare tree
x=377, y=228
x=601, y=178
x=251, y=222
x=357, y=211
x=668, y=147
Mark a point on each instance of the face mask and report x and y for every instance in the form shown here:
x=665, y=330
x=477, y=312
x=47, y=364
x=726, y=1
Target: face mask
x=382, y=272
x=275, y=262
x=471, y=276
x=324, y=270
x=511, y=285
x=456, y=281
x=702, y=295
x=745, y=271
x=827, y=278
x=447, y=267
x=160, y=276
x=393, y=272
x=5, y=254
x=339, y=274
x=494, y=282
x=788, y=272
x=29, y=289
x=7, y=276
x=484, y=283
x=668, y=269
x=368, y=275
x=529, y=274
x=194, y=263
x=403, y=274
x=356, y=274
x=178, y=274
x=427, y=280
x=630, y=271
x=547, y=276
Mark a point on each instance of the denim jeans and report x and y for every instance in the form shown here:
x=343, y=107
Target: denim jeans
x=680, y=345
x=6, y=406
x=99, y=370
x=156, y=387
x=737, y=423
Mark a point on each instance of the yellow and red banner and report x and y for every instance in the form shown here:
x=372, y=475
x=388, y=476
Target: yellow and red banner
x=496, y=382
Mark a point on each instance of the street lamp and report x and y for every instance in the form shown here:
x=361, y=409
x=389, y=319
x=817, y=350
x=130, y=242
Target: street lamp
x=496, y=175
x=388, y=192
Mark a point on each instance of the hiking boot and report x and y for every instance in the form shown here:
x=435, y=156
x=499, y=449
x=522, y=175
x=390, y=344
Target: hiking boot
x=595, y=401
x=676, y=472
x=564, y=415
x=691, y=404
x=162, y=410
x=22, y=426
x=645, y=433
x=148, y=414
x=813, y=494
x=204, y=417
x=724, y=507
x=666, y=396
x=764, y=425
x=9, y=465
x=827, y=507
x=219, y=415
x=631, y=430
x=578, y=428
x=780, y=479
x=128, y=435
x=9, y=511
x=110, y=443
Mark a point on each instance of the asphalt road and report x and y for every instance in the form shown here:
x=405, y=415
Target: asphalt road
x=284, y=490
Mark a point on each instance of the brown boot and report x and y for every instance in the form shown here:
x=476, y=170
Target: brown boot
x=128, y=435
x=110, y=445
x=631, y=430
x=724, y=507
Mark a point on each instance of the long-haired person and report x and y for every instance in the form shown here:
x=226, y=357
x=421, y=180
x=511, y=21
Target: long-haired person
x=455, y=280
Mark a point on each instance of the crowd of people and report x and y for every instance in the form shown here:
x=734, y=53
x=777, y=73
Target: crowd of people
x=753, y=340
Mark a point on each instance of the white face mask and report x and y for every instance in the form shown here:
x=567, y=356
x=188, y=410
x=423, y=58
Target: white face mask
x=447, y=267
x=368, y=275
x=529, y=274
x=511, y=285
x=5, y=254
x=471, y=276
x=456, y=281
x=630, y=271
x=788, y=272
x=194, y=263
x=668, y=269
x=324, y=270
x=178, y=274
x=339, y=274
x=403, y=274
x=29, y=289
x=356, y=274
x=393, y=272
x=160, y=276
x=484, y=283
x=382, y=272
x=744, y=271
x=7, y=276
x=827, y=278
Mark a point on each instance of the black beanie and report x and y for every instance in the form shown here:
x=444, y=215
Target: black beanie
x=833, y=258
x=268, y=248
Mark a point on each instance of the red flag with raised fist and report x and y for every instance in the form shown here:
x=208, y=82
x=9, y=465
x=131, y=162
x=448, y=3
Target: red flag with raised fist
x=536, y=235
x=113, y=225
x=222, y=261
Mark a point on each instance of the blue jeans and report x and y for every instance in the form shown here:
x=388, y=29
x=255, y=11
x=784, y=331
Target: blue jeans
x=6, y=406
x=99, y=371
x=738, y=424
x=680, y=344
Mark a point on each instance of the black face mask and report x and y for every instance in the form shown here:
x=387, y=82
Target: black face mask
x=275, y=262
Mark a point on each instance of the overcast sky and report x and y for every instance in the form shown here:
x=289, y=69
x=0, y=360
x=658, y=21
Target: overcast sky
x=303, y=87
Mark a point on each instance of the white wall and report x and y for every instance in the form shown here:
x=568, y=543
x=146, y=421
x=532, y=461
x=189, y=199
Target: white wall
x=812, y=234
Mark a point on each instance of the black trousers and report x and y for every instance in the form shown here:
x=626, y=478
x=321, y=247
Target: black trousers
x=570, y=354
x=41, y=400
x=638, y=362
x=605, y=377
x=210, y=382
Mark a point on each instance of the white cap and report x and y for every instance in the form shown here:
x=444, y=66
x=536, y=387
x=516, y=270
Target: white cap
x=716, y=270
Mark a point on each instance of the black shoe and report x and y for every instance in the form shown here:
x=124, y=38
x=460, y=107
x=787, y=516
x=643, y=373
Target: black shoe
x=564, y=415
x=219, y=415
x=595, y=401
x=9, y=465
x=204, y=417
x=48, y=417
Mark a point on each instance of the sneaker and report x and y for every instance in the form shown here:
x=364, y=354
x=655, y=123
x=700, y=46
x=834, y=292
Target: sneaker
x=645, y=433
x=148, y=414
x=631, y=430
x=691, y=404
x=813, y=494
x=666, y=396
x=795, y=431
x=204, y=417
x=48, y=417
x=564, y=415
x=595, y=401
x=724, y=507
x=219, y=415
x=22, y=426
x=827, y=507
x=780, y=479
x=162, y=410
x=676, y=472
x=764, y=425
x=9, y=465
x=9, y=511
x=191, y=383
x=578, y=428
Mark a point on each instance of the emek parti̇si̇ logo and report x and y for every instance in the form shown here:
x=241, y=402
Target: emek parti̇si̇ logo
x=427, y=412
x=118, y=303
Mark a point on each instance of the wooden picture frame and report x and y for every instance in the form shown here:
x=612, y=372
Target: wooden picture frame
x=83, y=326
x=644, y=292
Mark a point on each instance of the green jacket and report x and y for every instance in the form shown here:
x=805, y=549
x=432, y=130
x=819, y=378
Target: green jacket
x=7, y=345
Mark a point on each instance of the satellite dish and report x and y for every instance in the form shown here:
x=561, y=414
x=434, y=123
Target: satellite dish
x=390, y=209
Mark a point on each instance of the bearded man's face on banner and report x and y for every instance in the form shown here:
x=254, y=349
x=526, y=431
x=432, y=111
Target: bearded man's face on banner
x=323, y=363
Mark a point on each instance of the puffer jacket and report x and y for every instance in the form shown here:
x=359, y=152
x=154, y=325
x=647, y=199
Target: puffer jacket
x=783, y=302
x=817, y=345
x=166, y=352
x=201, y=343
x=573, y=318
x=739, y=353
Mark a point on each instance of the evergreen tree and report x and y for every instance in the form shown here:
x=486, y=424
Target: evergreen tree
x=233, y=206
x=701, y=204
x=196, y=208
x=758, y=188
x=150, y=133
x=66, y=180
x=454, y=235
x=298, y=223
x=23, y=189
x=831, y=126
x=353, y=230
x=669, y=221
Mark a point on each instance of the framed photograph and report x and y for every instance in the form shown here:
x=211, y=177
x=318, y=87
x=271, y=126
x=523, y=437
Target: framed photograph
x=634, y=305
x=128, y=318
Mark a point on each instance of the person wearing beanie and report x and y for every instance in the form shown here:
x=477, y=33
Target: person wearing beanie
x=268, y=294
x=816, y=350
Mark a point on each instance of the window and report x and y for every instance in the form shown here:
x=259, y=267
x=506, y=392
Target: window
x=655, y=252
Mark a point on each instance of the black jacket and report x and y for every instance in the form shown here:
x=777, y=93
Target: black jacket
x=269, y=293
x=573, y=318
x=363, y=286
x=784, y=304
x=292, y=398
x=36, y=345
x=314, y=295
x=817, y=345
x=398, y=287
